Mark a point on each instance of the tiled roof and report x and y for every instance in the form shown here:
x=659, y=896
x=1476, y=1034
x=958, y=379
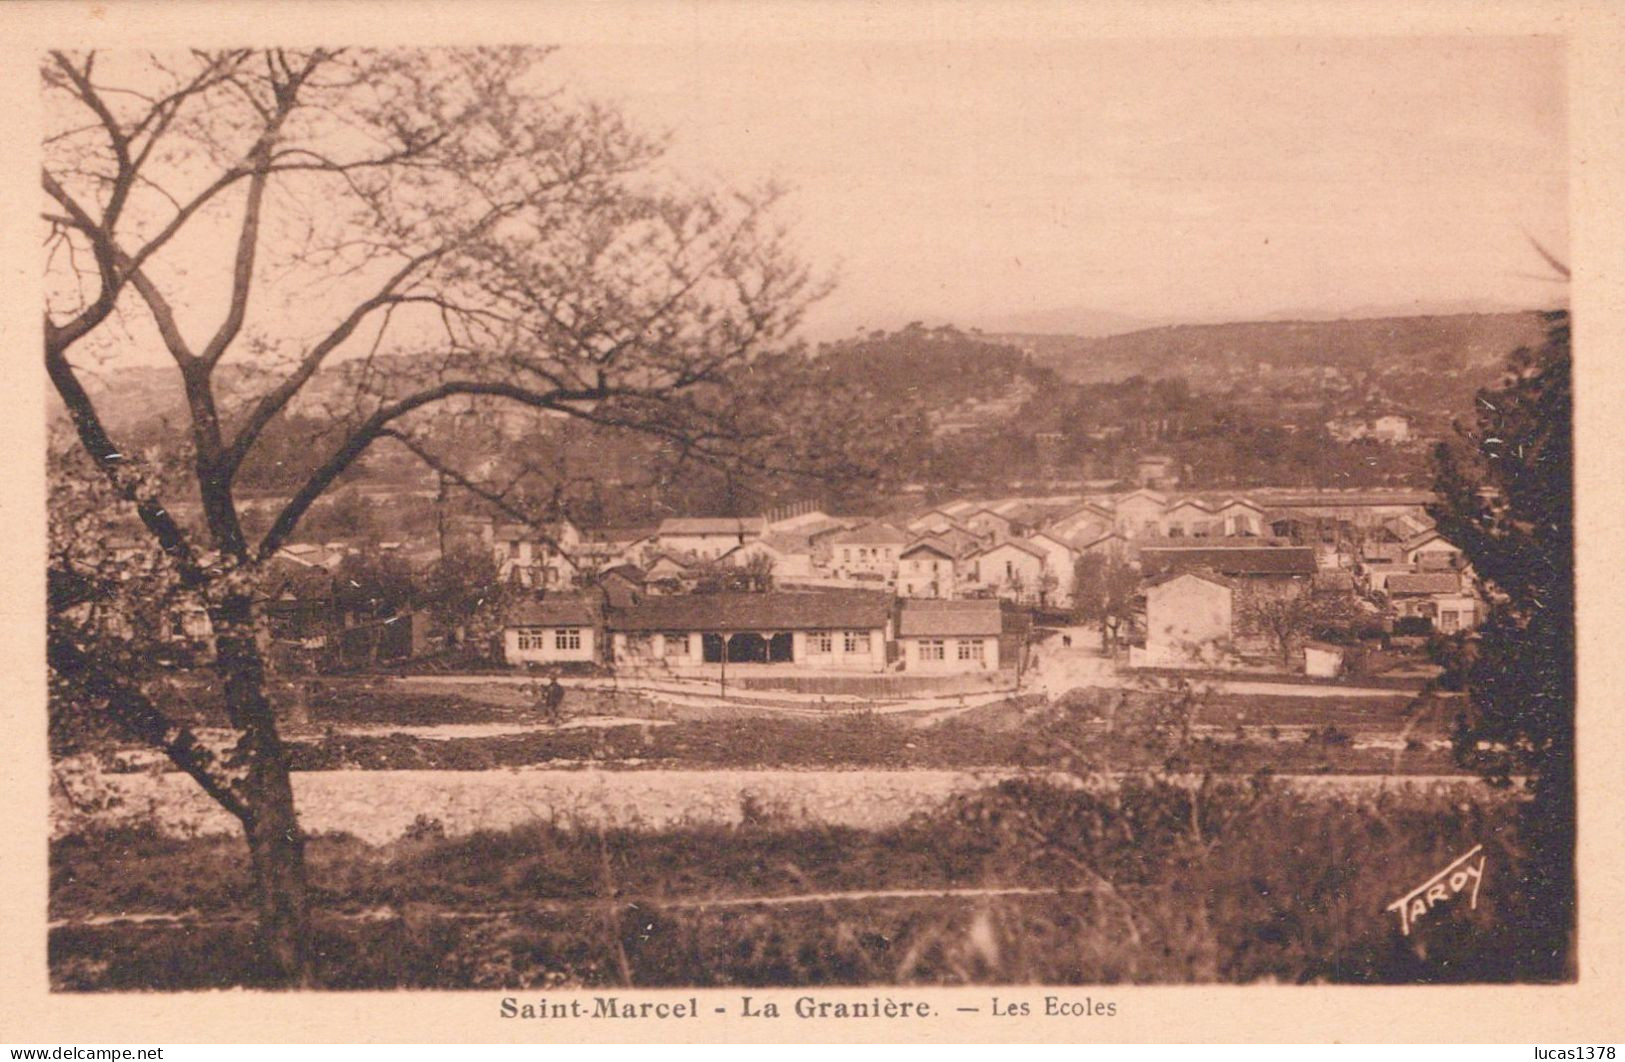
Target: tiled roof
x=935, y=545
x=876, y=534
x=781, y=611
x=711, y=525
x=1012, y=544
x=1424, y=583
x=932, y=618
x=1265, y=560
x=1195, y=573
x=554, y=610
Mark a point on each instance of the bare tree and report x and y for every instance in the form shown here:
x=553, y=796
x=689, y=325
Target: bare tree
x=1287, y=618
x=363, y=237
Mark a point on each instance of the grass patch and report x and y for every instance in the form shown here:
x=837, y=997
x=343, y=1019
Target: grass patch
x=1238, y=882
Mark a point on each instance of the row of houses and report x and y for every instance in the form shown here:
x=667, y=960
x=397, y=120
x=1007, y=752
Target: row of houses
x=1021, y=549
x=827, y=631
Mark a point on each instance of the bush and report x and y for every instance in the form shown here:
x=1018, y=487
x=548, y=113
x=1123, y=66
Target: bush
x=1155, y=881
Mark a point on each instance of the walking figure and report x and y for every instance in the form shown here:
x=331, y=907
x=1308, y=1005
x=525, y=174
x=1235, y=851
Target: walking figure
x=553, y=701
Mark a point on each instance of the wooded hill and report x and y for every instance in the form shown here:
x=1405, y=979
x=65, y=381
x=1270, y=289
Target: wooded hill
x=1433, y=343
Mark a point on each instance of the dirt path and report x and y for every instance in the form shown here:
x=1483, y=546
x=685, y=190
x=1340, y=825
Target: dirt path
x=381, y=806
x=191, y=919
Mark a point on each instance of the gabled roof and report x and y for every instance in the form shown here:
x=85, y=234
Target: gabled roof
x=1203, y=574
x=1240, y=560
x=1430, y=535
x=784, y=542
x=1011, y=543
x=555, y=610
x=933, y=545
x=630, y=572
x=1063, y=543
x=875, y=534
x=619, y=535
x=938, y=618
x=777, y=611
x=1143, y=492
x=1387, y=552
x=1423, y=583
x=1080, y=543
x=1087, y=508
x=711, y=525
x=1239, y=503
x=1190, y=503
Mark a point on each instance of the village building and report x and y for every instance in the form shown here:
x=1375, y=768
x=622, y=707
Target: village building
x=608, y=546
x=553, y=629
x=1012, y=570
x=1431, y=552
x=1189, y=518
x=839, y=631
x=1322, y=660
x=1438, y=597
x=1086, y=522
x=536, y=557
x=949, y=636
x=871, y=551
x=928, y=568
x=985, y=523
x=1240, y=517
x=1189, y=620
x=623, y=585
x=669, y=575
x=1262, y=567
x=790, y=556
x=1139, y=513
x=1060, y=565
x=707, y=537
x=1111, y=545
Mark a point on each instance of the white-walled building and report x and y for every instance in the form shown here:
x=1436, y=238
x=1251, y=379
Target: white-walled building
x=950, y=636
x=1189, y=619
x=928, y=568
x=1011, y=569
x=836, y=631
x=707, y=537
x=555, y=629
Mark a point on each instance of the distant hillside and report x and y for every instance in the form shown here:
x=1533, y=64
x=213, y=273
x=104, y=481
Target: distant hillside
x=1435, y=343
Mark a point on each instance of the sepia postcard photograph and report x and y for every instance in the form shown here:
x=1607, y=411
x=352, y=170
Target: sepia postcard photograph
x=621, y=523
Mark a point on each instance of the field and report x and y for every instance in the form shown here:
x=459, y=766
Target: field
x=1106, y=836
x=1018, y=883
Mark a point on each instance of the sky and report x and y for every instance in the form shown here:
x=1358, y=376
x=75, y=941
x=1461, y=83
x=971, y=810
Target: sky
x=996, y=183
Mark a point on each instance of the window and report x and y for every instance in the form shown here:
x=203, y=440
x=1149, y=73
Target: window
x=530, y=638
x=567, y=638
x=674, y=645
x=932, y=649
x=1449, y=622
x=821, y=642
x=970, y=649
x=1009, y=570
x=846, y=556
x=856, y=642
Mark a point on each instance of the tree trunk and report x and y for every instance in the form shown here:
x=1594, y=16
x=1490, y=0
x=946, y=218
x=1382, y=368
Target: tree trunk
x=275, y=842
x=277, y=849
